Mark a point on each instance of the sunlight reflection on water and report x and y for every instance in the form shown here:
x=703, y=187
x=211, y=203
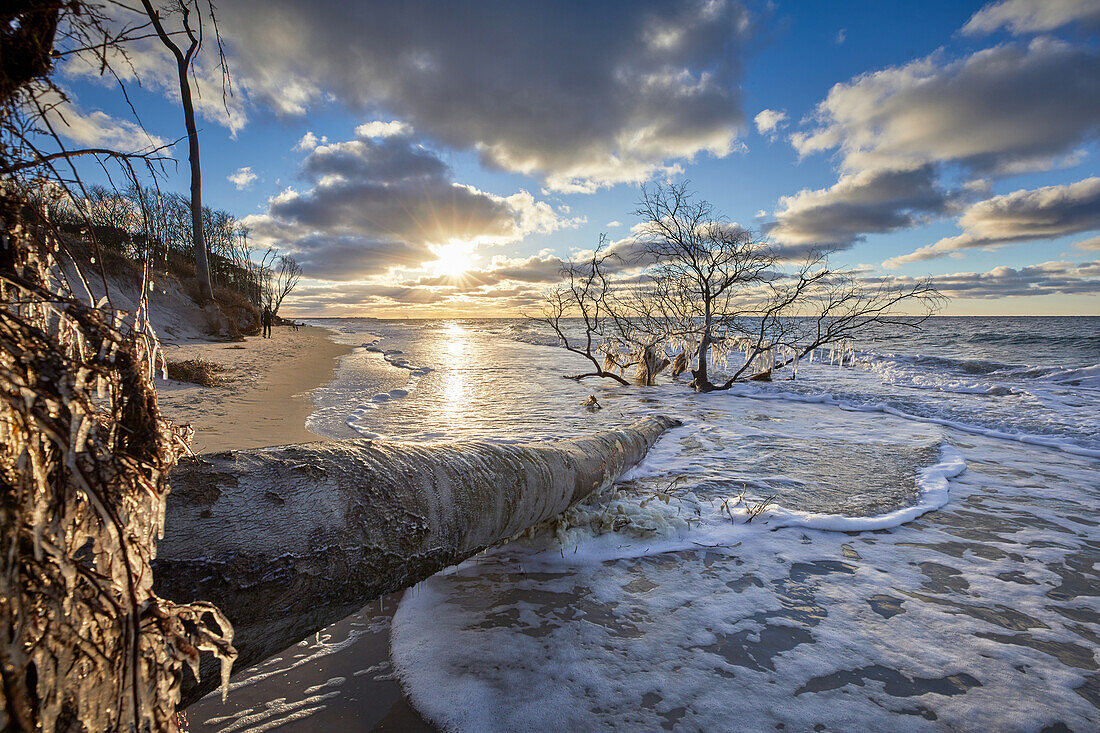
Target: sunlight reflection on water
x=454, y=362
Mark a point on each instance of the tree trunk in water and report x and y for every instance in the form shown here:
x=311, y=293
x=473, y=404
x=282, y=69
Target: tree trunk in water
x=286, y=541
x=700, y=381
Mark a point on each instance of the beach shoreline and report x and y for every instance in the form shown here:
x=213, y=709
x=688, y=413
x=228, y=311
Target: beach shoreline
x=265, y=399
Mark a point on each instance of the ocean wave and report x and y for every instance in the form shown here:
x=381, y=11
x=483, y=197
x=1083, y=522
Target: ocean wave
x=395, y=358
x=982, y=378
x=1073, y=376
x=1061, y=443
x=1023, y=338
x=530, y=334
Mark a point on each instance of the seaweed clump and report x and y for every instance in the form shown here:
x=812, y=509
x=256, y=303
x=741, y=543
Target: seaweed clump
x=197, y=371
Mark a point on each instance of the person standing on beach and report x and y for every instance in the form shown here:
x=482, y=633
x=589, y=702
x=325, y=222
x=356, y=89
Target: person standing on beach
x=266, y=319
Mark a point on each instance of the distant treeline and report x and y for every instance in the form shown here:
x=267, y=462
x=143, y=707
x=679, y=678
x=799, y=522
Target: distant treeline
x=141, y=222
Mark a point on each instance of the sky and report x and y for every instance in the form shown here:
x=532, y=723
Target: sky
x=425, y=158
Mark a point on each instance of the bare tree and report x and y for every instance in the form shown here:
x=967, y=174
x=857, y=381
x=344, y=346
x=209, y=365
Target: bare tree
x=283, y=281
x=183, y=65
x=581, y=298
x=704, y=284
x=701, y=262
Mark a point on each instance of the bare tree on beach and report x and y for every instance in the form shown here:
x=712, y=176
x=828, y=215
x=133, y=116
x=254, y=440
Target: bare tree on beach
x=582, y=295
x=184, y=59
x=704, y=284
x=283, y=281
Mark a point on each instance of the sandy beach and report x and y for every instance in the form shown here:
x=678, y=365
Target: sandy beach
x=265, y=398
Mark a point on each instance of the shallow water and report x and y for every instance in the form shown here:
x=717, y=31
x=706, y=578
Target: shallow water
x=984, y=614
x=656, y=606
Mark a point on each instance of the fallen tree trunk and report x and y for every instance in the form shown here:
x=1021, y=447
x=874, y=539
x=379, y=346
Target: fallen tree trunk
x=286, y=541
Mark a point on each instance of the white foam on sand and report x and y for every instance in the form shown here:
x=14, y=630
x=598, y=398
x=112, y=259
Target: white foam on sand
x=622, y=524
x=980, y=614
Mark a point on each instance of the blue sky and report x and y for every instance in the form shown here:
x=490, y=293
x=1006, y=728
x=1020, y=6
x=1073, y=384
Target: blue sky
x=520, y=133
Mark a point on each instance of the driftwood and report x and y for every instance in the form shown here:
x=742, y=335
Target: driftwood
x=288, y=540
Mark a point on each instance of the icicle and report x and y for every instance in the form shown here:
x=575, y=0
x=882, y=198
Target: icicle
x=609, y=362
x=679, y=364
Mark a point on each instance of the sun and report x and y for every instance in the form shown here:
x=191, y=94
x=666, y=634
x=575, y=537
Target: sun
x=453, y=259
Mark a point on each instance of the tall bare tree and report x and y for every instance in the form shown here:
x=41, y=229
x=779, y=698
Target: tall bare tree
x=183, y=65
x=701, y=261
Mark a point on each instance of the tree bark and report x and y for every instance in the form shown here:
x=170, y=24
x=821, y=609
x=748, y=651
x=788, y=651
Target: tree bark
x=202, y=264
x=286, y=541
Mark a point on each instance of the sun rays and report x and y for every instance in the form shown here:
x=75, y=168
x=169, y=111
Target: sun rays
x=453, y=259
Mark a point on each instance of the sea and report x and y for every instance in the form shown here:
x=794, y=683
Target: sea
x=923, y=551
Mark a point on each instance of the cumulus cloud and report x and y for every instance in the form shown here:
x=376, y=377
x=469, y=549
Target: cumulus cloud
x=1006, y=109
x=880, y=200
x=97, y=129
x=769, y=121
x=1047, y=278
x=353, y=297
x=381, y=203
x=243, y=178
x=383, y=129
x=309, y=141
x=1029, y=16
x=583, y=95
x=1020, y=216
x=417, y=297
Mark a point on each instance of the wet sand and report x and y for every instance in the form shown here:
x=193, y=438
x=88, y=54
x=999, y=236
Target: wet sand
x=265, y=399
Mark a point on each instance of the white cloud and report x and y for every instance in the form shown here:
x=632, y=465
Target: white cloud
x=383, y=129
x=1032, y=16
x=1046, y=278
x=841, y=36
x=243, y=178
x=1004, y=110
x=770, y=121
x=97, y=129
x=1021, y=216
x=309, y=141
x=1088, y=244
x=384, y=202
x=880, y=200
x=613, y=224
